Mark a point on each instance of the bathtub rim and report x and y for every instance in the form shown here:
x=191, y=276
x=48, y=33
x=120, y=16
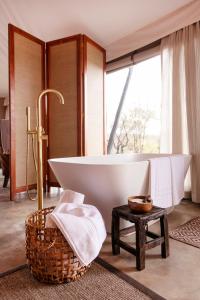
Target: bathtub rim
x=82, y=160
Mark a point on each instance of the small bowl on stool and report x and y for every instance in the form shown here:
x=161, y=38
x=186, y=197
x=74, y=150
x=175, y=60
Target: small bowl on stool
x=140, y=204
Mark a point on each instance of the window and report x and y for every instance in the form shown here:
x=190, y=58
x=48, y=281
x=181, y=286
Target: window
x=133, y=102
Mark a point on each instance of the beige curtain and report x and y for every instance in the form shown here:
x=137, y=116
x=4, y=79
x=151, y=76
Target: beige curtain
x=180, y=54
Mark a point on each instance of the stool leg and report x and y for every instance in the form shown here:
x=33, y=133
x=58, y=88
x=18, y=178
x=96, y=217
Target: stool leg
x=140, y=245
x=115, y=233
x=164, y=233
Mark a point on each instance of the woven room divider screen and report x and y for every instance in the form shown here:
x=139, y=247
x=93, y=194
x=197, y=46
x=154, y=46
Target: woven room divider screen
x=75, y=66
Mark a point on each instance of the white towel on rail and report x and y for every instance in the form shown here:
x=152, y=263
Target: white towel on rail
x=82, y=225
x=167, y=176
x=161, y=181
x=178, y=177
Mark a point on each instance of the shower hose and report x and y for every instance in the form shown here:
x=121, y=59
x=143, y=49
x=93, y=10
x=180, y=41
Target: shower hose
x=33, y=142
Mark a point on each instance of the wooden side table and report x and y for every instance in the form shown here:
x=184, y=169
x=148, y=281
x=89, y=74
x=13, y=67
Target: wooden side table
x=140, y=221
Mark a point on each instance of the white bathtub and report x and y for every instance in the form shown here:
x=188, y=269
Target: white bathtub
x=106, y=180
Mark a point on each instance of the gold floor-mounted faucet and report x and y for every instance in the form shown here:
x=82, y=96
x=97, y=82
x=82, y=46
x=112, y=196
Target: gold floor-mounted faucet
x=40, y=136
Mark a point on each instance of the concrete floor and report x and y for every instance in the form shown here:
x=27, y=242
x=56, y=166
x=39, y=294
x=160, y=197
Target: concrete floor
x=12, y=230
x=4, y=192
x=177, y=277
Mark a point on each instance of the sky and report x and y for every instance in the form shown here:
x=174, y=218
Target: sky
x=144, y=91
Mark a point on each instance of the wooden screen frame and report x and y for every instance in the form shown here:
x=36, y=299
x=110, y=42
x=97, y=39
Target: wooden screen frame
x=80, y=114
x=11, y=31
x=86, y=40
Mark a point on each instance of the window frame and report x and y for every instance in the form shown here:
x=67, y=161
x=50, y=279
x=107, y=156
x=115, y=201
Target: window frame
x=127, y=61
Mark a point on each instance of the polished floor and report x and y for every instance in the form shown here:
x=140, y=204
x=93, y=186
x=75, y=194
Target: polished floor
x=177, y=277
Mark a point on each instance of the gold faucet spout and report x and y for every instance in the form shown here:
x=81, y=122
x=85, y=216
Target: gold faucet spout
x=40, y=137
x=39, y=109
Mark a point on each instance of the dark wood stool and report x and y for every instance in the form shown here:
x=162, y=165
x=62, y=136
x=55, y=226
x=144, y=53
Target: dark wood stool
x=142, y=232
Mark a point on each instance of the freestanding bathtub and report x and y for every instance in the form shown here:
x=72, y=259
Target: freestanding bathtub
x=106, y=180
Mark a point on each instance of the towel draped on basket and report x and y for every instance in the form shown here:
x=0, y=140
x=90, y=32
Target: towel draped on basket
x=81, y=224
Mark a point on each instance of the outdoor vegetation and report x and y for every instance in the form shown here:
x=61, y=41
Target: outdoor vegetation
x=131, y=133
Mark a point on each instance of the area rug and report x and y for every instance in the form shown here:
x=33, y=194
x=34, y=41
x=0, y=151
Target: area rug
x=102, y=281
x=188, y=233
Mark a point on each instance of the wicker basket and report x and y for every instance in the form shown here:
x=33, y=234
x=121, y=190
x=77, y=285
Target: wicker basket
x=49, y=255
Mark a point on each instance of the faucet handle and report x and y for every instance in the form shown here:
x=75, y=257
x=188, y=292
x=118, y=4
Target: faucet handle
x=45, y=137
x=28, y=118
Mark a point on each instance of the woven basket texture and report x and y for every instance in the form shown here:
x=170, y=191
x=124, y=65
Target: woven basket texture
x=49, y=256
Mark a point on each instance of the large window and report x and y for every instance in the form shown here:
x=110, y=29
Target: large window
x=133, y=102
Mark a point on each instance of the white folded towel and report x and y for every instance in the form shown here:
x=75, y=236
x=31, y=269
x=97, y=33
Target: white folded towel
x=160, y=181
x=167, y=176
x=82, y=225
